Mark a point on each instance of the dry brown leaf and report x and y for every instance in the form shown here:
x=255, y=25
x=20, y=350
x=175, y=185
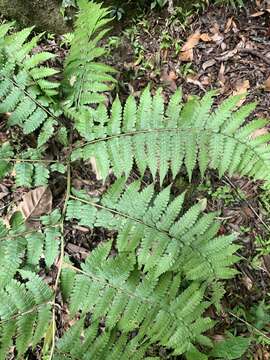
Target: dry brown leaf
x=194, y=81
x=267, y=84
x=208, y=63
x=241, y=88
x=247, y=282
x=169, y=79
x=257, y=14
x=266, y=261
x=187, y=49
x=227, y=55
x=218, y=38
x=3, y=191
x=228, y=25
x=93, y=163
x=221, y=76
x=205, y=37
x=36, y=202
x=259, y=132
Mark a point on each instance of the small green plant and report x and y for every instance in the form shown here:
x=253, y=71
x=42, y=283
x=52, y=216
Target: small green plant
x=233, y=3
x=159, y=3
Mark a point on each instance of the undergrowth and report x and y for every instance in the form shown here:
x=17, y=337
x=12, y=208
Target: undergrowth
x=154, y=280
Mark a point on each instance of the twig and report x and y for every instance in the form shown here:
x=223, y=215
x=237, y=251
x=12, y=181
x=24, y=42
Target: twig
x=62, y=248
x=249, y=325
x=255, y=53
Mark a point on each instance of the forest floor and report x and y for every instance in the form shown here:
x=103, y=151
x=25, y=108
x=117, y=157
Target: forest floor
x=227, y=50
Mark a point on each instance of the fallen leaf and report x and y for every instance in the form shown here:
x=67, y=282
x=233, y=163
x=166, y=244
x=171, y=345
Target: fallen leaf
x=221, y=76
x=205, y=37
x=194, y=81
x=205, y=80
x=3, y=191
x=36, y=202
x=187, y=49
x=228, y=25
x=257, y=14
x=208, y=63
x=259, y=132
x=169, y=78
x=247, y=282
x=95, y=168
x=267, y=84
x=218, y=38
x=241, y=88
x=223, y=46
x=266, y=261
x=227, y=55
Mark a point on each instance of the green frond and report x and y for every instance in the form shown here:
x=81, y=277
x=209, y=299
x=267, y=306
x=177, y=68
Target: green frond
x=24, y=313
x=163, y=236
x=85, y=80
x=163, y=140
x=24, y=83
x=91, y=345
x=109, y=287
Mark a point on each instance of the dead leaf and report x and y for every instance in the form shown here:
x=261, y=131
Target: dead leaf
x=3, y=191
x=218, y=38
x=259, y=132
x=257, y=14
x=36, y=202
x=227, y=55
x=95, y=168
x=205, y=37
x=221, y=76
x=241, y=88
x=267, y=84
x=208, y=63
x=228, y=25
x=247, y=282
x=187, y=49
x=169, y=78
x=266, y=261
x=194, y=81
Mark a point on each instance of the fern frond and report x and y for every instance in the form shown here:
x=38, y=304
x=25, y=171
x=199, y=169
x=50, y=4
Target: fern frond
x=86, y=79
x=163, y=239
x=24, y=313
x=111, y=287
x=92, y=345
x=25, y=88
x=161, y=140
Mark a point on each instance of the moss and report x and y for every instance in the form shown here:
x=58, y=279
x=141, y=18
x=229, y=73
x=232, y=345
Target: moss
x=44, y=14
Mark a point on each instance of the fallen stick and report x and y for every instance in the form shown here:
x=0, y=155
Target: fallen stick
x=255, y=53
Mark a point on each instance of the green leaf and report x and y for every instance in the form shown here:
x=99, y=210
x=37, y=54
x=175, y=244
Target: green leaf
x=230, y=349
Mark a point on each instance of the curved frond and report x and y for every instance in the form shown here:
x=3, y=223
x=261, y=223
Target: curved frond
x=85, y=79
x=25, y=89
x=163, y=237
x=111, y=288
x=25, y=313
x=158, y=139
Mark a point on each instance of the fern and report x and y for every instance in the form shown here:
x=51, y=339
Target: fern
x=30, y=246
x=25, y=91
x=25, y=313
x=161, y=139
x=92, y=345
x=27, y=98
x=147, y=284
x=30, y=170
x=85, y=79
x=150, y=224
x=113, y=288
